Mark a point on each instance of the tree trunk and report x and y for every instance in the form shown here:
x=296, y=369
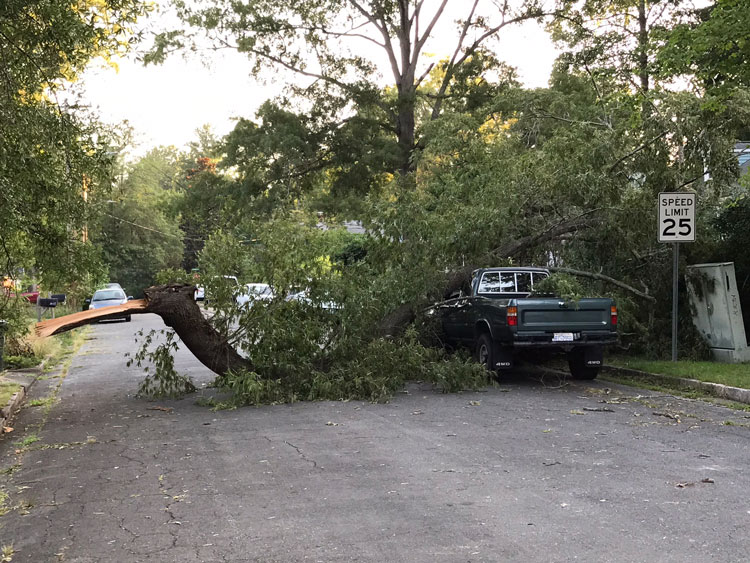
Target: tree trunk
x=405, y=128
x=643, y=70
x=175, y=304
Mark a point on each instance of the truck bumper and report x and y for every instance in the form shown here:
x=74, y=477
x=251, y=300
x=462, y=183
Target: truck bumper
x=545, y=341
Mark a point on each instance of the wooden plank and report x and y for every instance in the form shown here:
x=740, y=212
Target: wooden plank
x=69, y=322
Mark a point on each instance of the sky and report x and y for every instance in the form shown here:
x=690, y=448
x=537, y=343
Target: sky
x=165, y=104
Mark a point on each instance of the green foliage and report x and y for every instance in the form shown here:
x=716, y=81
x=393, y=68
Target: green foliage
x=380, y=369
x=174, y=275
x=138, y=230
x=162, y=380
x=21, y=362
x=713, y=47
x=561, y=285
x=51, y=153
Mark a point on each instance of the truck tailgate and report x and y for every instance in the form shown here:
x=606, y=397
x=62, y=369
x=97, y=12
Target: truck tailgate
x=557, y=315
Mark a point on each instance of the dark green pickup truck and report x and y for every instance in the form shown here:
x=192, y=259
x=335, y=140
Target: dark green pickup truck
x=499, y=319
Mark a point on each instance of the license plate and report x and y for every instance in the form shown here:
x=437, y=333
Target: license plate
x=562, y=337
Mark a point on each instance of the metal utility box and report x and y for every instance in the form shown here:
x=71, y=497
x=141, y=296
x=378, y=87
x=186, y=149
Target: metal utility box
x=716, y=310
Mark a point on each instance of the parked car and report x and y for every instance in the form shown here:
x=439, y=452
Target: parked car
x=30, y=296
x=113, y=285
x=200, y=291
x=109, y=297
x=254, y=292
x=499, y=318
x=304, y=297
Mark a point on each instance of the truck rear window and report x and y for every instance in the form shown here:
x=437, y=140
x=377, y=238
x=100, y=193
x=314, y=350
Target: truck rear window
x=497, y=282
x=509, y=282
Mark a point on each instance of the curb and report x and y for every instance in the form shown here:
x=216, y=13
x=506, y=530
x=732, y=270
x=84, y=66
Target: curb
x=25, y=378
x=736, y=394
x=7, y=412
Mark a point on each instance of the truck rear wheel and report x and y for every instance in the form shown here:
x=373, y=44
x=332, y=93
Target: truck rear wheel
x=485, y=351
x=578, y=366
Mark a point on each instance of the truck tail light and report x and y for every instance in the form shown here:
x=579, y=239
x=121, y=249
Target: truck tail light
x=613, y=315
x=512, y=316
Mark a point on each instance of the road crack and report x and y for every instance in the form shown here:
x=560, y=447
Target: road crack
x=303, y=456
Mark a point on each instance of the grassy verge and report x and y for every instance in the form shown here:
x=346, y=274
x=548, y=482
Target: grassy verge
x=7, y=389
x=734, y=375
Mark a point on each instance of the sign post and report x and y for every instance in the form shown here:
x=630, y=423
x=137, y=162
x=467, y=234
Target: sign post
x=676, y=225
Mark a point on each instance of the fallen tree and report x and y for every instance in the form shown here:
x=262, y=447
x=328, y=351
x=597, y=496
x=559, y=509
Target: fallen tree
x=175, y=304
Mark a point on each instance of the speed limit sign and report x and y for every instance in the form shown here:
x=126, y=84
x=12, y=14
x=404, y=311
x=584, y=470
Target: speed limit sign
x=676, y=217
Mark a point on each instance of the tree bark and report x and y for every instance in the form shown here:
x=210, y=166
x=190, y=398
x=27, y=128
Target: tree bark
x=175, y=304
x=643, y=70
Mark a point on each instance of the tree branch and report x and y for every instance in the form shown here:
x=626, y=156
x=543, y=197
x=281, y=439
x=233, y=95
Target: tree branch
x=631, y=153
x=602, y=277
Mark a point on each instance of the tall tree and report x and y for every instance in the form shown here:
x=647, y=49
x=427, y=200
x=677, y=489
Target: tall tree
x=336, y=46
x=52, y=155
x=617, y=39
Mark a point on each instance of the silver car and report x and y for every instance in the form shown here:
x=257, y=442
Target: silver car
x=107, y=298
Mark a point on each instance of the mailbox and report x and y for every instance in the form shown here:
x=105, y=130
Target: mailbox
x=59, y=297
x=47, y=302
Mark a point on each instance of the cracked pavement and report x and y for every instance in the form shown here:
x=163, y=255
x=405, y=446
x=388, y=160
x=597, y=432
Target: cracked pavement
x=526, y=471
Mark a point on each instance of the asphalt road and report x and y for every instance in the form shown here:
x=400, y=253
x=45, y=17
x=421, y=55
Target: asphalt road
x=527, y=471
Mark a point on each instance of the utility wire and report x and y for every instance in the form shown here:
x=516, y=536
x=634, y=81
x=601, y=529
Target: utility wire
x=242, y=241
x=152, y=230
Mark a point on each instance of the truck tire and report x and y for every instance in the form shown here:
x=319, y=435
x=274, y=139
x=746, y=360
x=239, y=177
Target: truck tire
x=485, y=351
x=578, y=367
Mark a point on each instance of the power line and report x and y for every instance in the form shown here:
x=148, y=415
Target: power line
x=152, y=229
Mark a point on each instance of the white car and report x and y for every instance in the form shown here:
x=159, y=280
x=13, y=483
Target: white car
x=200, y=291
x=253, y=292
x=304, y=297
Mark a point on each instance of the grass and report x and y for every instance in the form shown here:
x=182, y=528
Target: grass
x=27, y=441
x=7, y=389
x=734, y=375
x=4, y=508
x=41, y=402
